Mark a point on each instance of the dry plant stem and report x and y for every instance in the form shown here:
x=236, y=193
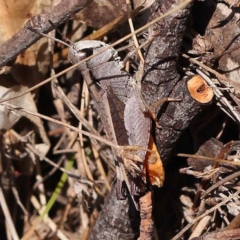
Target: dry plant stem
x=82, y=163
x=223, y=215
x=94, y=214
x=41, y=188
x=7, y=215
x=93, y=218
x=32, y=149
x=223, y=235
x=84, y=160
x=219, y=183
x=100, y=168
x=86, y=167
x=25, y=38
x=205, y=214
x=48, y=220
x=209, y=158
x=200, y=227
x=49, y=174
x=132, y=30
x=196, y=200
x=60, y=141
x=14, y=189
x=66, y=211
x=8, y=234
x=90, y=179
x=56, y=167
x=81, y=159
x=146, y=225
x=181, y=5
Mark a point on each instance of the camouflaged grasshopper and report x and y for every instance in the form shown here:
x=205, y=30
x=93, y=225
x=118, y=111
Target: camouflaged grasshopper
x=119, y=104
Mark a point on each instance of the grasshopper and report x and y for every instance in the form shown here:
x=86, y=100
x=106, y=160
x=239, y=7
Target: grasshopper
x=116, y=96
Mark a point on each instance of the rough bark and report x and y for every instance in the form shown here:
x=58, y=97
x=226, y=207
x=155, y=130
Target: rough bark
x=177, y=117
x=160, y=70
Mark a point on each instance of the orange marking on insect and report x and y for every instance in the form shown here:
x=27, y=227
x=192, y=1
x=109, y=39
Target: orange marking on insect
x=153, y=164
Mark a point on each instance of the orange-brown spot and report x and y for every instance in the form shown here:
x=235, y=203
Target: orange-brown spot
x=199, y=90
x=153, y=164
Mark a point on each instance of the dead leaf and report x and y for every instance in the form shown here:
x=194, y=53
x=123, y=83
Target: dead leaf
x=8, y=119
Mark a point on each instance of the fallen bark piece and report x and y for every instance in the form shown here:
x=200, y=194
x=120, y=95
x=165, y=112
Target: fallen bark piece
x=210, y=148
x=234, y=224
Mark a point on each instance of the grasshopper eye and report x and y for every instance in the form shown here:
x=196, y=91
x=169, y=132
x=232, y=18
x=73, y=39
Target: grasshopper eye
x=75, y=53
x=87, y=52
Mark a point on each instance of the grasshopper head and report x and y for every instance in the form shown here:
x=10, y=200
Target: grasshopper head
x=83, y=49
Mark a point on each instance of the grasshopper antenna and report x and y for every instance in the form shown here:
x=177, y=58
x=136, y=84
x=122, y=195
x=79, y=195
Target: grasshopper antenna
x=65, y=39
x=35, y=30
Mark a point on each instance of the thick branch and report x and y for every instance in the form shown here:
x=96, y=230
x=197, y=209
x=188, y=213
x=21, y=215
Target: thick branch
x=160, y=70
x=118, y=219
x=161, y=78
x=25, y=38
x=195, y=96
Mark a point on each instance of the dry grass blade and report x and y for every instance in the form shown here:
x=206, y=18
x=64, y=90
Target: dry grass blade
x=132, y=30
x=224, y=103
x=200, y=227
x=47, y=220
x=220, y=183
x=8, y=215
x=209, y=158
x=205, y=214
x=100, y=168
